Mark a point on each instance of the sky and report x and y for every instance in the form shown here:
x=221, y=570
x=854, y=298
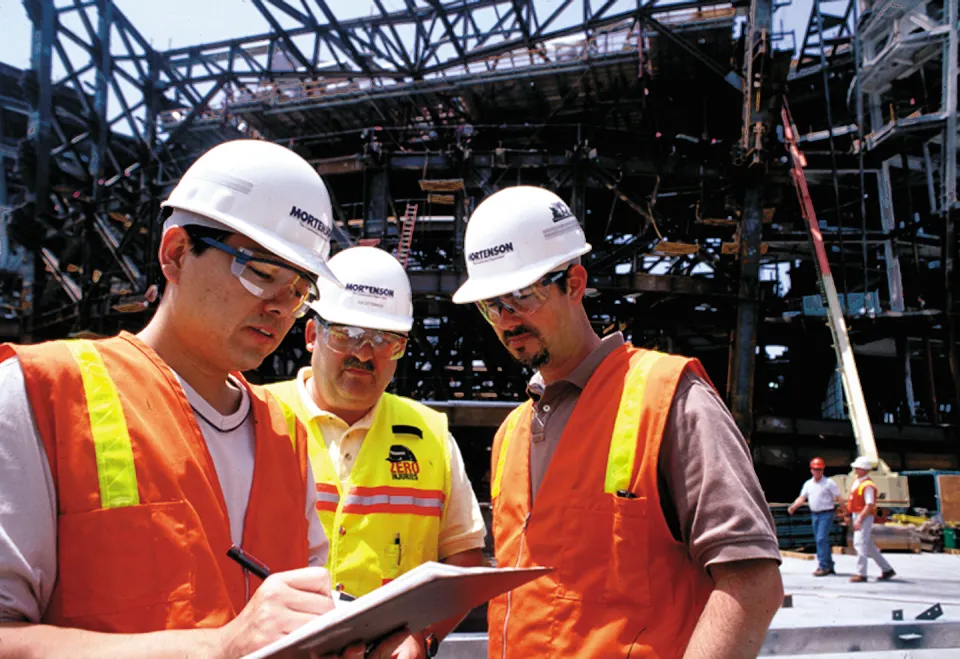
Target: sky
x=176, y=23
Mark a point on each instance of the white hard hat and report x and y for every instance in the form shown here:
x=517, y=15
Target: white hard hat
x=267, y=193
x=375, y=293
x=863, y=462
x=514, y=238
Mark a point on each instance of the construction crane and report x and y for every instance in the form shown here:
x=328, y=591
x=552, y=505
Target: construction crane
x=892, y=487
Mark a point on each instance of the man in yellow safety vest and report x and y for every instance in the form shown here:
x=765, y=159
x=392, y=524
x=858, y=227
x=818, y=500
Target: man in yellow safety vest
x=392, y=491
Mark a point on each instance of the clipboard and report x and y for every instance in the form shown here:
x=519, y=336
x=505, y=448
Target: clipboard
x=429, y=593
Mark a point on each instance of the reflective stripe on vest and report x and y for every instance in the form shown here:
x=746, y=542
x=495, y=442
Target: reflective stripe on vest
x=504, y=443
x=111, y=439
x=328, y=497
x=396, y=500
x=623, y=442
x=291, y=418
x=857, y=501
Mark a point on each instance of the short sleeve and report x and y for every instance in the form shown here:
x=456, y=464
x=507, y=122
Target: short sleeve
x=28, y=506
x=708, y=474
x=463, y=527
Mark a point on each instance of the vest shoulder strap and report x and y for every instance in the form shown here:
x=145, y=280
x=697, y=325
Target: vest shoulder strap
x=501, y=442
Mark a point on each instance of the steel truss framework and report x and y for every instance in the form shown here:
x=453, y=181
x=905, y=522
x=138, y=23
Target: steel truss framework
x=648, y=117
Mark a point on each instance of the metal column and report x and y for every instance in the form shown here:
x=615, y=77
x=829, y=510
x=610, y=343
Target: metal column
x=889, y=221
x=894, y=277
x=375, y=208
x=6, y=252
x=756, y=119
x=743, y=354
x=948, y=194
x=39, y=131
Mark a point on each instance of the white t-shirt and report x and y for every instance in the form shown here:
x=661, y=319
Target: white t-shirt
x=820, y=494
x=28, y=503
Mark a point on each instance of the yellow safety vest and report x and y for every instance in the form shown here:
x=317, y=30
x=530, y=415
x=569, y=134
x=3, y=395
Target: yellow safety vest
x=386, y=520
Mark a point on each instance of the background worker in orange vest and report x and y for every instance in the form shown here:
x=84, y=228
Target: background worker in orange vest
x=393, y=491
x=823, y=495
x=862, y=507
x=127, y=464
x=623, y=471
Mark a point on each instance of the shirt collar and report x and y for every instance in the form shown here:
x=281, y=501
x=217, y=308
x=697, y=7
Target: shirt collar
x=579, y=376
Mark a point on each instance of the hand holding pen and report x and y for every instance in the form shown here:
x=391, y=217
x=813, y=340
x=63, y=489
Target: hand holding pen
x=281, y=604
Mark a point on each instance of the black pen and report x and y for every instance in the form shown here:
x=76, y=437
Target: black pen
x=248, y=562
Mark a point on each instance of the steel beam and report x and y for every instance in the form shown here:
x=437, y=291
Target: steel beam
x=755, y=115
x=743, y=351
x=44, y=17
x=948, y=197
x=641, y=282
x=889, y=222
x=731, y=77
x=376, y=204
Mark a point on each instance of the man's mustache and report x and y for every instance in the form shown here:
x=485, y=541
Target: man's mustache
x=353, y=362
x=517, y=331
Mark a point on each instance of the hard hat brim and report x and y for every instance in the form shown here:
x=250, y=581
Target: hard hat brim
x=485, y=288
x=379, y=321
x=365, y=320
x=301, y=258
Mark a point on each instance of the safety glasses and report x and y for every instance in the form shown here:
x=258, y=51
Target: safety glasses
x=522, y=302
x=268, y=279
x=347, y=339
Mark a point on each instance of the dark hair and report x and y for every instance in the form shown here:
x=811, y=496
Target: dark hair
x=197, y=232
x=562, y=282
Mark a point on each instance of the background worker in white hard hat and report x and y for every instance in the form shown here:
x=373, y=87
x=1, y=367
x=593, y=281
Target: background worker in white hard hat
x=624, y=471
x=823, y=496
x=372, y=451
x=862, y=506
x=130, y=465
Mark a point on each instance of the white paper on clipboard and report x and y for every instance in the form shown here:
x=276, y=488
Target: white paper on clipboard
x=417, y=599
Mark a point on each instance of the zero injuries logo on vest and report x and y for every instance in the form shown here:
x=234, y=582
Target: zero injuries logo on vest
x=403, y=464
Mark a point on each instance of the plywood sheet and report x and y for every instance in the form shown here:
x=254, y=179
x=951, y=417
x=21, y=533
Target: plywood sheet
x=950, y=497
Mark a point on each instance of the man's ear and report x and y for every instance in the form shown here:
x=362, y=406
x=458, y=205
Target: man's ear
x=310, y=334
x=174, y=247
x=576, y=282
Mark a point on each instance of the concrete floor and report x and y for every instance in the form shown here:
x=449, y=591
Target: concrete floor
x=922, y=580
x=820, y=603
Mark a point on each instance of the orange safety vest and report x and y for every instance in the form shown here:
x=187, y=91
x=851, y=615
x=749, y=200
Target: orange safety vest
x=857, y=501
x=621, y=585
x=142, y=527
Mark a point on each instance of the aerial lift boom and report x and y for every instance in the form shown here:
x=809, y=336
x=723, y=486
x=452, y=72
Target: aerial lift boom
x=892, y=488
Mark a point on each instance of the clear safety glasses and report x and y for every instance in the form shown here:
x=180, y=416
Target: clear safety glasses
x=522, y=302
x=347, y=339
x=268, y=279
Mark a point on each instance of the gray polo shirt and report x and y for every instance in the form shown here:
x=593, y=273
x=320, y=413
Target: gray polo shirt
x=709, y=491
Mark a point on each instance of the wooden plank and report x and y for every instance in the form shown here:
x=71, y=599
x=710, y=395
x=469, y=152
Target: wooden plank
x=797, y=554
x=949, y=497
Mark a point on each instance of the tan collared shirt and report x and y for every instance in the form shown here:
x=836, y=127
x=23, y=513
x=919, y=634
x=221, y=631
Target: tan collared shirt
x=463, y=527
x=709, y=491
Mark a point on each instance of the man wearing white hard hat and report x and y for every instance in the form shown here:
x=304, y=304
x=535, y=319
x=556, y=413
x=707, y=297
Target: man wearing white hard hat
x=624, y=471
x=131, y=465
x=862, y=507
x=393, y=491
